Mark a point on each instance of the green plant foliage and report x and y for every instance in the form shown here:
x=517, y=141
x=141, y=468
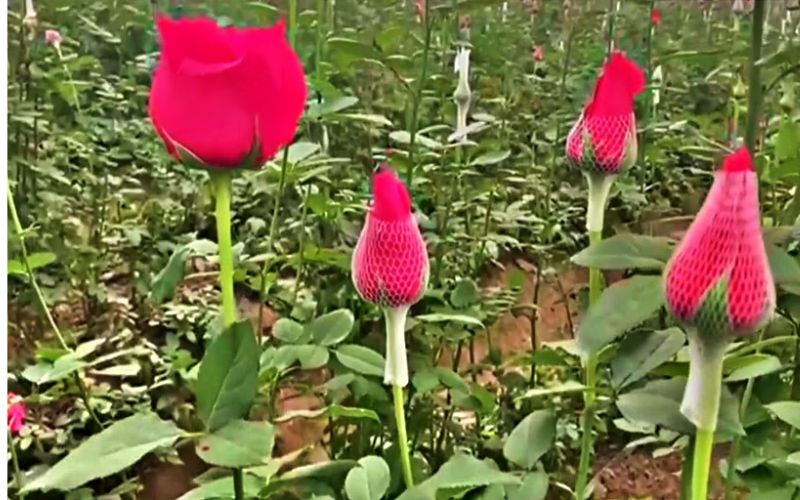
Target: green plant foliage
x=108, y=452
x=238, y=444
x=622, y=306
x=531, y=439
x=227, y=380
x=369, y=480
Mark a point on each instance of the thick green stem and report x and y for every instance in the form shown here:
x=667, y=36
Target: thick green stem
x=18, y=477
x=222, y=193
x=701, y=400
x=402, y=437
x=754, y=85
x=686, y=470
x=703, y=446
x=590, y=374
x=587, y=427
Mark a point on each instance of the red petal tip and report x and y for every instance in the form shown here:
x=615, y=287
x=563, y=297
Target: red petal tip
x=390, y=196
x=621, y=68
x=739, y=161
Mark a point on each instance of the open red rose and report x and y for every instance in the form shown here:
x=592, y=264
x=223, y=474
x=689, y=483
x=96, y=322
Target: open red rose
x=228, y=96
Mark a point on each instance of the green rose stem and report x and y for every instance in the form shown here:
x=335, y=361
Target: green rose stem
x=19, y=478
x=416, y=98
x=397, y=370
x=599, y=188
x=754, y=97
x=222, y=182
x=12, y=208
x=273, y=226
x=649, y=100
x=730, y=475
x=701, y=402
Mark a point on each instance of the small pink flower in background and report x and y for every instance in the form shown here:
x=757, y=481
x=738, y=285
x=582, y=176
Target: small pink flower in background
x=419, y=6
x=53, y=37
x=719, y=280
x=538, y=53
x=655, y=17
x=16, y=413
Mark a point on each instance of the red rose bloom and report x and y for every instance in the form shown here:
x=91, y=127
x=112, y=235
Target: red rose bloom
x=604, y=138
x=390, y=262
x=227, y=95
x=655, y=17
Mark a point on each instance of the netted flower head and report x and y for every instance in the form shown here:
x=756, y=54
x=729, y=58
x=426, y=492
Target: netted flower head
x=603, y=140
x=390, y=262
x=719, y=280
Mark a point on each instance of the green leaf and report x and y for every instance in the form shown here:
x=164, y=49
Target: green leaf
x=627, y=251
x=462, y=472
x=491, y=158
x=331, y=328
x=788, y=411
x=330, y=106
x=369, y=480
x=659, y=401
x=361, y=359
x=787, y=141
x=640, y=352
x=108, y=452
x=239, y=444
x=531, y=439
x=425, y=380
x=290, y=331
x=311, y=357
x=464, y=319
x=300, y=151
x=43, y=372
x=752, y=366
x=168, y=279
x=228, y=376
x=789, y=53
x=785, y=269
x=534, y=487
x=465, y=294
x=35, y=261
x=222, y=488
x=347, y=51
x=622, y=306
x=333, y=411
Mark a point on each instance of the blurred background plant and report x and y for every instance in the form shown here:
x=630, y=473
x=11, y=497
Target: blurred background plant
x=119, y=239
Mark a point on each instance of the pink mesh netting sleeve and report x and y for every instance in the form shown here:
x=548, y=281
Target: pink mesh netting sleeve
x=603, y=144
x=390, y=262
x=723, y=248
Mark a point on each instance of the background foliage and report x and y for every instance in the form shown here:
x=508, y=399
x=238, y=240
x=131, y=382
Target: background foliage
x=120, y=238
